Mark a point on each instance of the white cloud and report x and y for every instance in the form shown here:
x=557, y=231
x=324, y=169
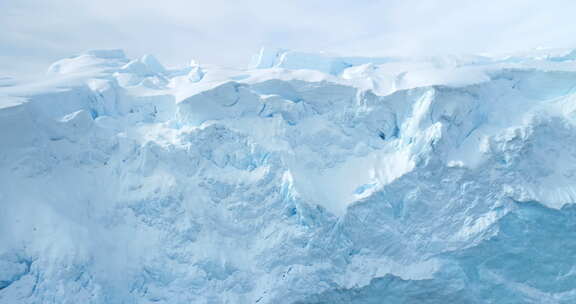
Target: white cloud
x=36, y=32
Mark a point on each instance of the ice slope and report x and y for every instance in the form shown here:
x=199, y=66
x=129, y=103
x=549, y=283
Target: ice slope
x=306, y=179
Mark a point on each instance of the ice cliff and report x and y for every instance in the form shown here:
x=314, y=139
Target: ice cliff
x=307, y=178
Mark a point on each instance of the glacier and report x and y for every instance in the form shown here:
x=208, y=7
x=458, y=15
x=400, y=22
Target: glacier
x=304, y=178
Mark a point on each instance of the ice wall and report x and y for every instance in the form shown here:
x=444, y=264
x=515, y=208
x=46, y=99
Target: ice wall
x=308, y=179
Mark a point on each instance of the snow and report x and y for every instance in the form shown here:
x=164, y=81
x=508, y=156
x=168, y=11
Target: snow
x=305, y=178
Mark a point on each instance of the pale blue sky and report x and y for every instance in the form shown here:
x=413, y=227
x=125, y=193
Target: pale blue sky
x=36, y=32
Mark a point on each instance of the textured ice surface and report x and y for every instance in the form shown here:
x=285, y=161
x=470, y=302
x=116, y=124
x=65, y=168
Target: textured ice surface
x=306, y=179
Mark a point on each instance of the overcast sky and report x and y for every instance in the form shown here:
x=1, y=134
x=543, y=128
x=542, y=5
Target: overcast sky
x=34, y=33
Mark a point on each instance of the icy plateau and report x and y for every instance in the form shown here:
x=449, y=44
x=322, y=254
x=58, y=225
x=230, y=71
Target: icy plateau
x=306, y=178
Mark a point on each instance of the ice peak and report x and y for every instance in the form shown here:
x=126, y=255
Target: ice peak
x=153, y=64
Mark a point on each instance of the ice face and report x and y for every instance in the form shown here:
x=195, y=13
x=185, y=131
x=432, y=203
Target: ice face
x=309, y=179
